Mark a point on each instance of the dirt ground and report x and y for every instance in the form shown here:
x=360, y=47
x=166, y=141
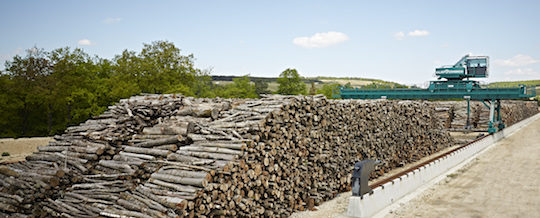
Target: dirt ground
x=502, y=182
x=20, y=148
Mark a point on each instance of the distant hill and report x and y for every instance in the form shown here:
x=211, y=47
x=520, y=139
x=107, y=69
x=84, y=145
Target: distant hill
x=515, y=83
x=355, y=81
x=254, y=78
x=319, y=81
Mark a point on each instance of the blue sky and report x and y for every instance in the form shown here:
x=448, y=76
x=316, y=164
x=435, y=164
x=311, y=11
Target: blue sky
x=400, y=41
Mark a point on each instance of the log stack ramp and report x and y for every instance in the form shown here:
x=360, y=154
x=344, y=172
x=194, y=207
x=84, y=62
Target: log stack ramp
x=168, y=155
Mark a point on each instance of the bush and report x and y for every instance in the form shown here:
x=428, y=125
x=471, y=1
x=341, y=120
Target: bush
x=5, y=154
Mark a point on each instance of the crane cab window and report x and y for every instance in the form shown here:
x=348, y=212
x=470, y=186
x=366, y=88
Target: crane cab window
x=477, y=67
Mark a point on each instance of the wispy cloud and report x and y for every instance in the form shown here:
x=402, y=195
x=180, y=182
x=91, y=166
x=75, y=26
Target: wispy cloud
x=111, y=20
x=85, y=42
x=416, y=33
x=399, y=35
x=321, y=40
x=522, y=72
x=516, y=61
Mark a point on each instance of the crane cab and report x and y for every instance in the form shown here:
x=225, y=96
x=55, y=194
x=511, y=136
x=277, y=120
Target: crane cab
x=477, y=66
x=467, y=67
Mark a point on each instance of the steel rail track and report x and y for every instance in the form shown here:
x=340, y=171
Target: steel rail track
x=426, y=162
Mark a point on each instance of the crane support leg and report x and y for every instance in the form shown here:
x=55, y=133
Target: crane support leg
x=499, y=119
x=468, y=125
x=495, y=121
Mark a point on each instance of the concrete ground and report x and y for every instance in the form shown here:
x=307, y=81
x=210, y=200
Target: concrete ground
x=502, y=182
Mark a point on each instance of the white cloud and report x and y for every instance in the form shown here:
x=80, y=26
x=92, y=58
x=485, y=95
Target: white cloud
x=85, y=42
x=111, y=20
x=522, y=72
x=399, y=35
x=517, y=61
x=418, y=33
x=321, y=40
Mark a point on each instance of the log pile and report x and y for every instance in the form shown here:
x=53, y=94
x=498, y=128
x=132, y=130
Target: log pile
x=168, y=169
x=515, y=111
x=453, y=114
x=444, y=112
x=156, y=156
x=78, y=152
x=305, y=152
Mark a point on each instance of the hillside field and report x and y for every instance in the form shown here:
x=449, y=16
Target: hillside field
x=318, y=81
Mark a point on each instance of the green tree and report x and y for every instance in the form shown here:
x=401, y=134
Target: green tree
x=160, y=68
x=290, y=83
x=203, y=86
x=26, y=77
x=240, y=88
x=74, y=91
x=163, y=68
x=261, y=87
x=9, y=108
x=327, y=88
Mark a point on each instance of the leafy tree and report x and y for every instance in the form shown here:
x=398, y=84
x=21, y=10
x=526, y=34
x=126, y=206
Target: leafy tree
x=163, y=67
x=327, y=88
x=27, y=81
x=240, y=88
x=160, y=68
x=75, y=79
x=9, y=108
x=290, y=83
x=261, y=87
x=203, y=86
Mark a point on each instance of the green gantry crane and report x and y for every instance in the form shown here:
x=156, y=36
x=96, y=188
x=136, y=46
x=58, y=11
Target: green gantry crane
x=453, y=82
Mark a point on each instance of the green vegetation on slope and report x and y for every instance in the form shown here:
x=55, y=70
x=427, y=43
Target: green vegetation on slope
x=515, y=83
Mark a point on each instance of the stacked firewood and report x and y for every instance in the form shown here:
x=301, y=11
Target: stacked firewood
x=78, y=152
x=265, y=157
x=168, y=163
x=155, y=156
x=515, y=111
x=453, y=114
x=306, y=151
x=444, y=112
